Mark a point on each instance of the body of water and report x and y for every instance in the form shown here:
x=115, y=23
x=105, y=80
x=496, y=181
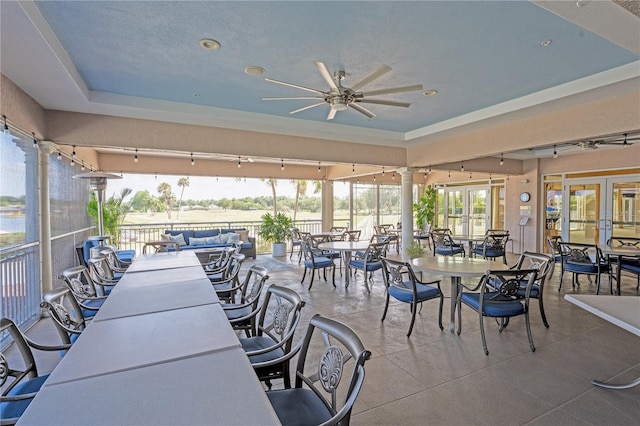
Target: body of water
x=11, y=223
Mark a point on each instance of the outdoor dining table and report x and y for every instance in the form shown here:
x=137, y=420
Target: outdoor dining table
x=456, y=268
x=158, y=261
x=159, y=351
x=623, y=311
x=471, y=239
x=619, y=253
x=345, y=248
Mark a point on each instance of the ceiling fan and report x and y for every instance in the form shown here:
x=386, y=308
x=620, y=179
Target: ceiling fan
x=339, y=98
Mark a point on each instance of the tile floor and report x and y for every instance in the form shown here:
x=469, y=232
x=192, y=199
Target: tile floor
x=436, y=377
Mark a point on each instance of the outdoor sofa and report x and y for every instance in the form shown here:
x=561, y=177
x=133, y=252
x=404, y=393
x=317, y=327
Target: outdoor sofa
x=191, y=239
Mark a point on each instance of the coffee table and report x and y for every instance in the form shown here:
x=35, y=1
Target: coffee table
x=456, y=268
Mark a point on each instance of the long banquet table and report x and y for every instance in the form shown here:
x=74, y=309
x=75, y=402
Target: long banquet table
x=159, y=351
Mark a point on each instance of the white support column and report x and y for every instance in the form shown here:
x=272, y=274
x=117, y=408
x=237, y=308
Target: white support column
x=46, y=279
x=407, y=210
x=327, y=205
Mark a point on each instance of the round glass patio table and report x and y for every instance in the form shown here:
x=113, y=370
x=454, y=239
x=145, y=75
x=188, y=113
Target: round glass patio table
x=456, y=268
x=345, y=247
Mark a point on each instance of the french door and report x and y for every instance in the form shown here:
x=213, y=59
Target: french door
x=597, y=209
x=467, y=209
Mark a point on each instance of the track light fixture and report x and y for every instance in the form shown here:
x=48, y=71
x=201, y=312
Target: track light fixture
x=462, y=166
x=382, y=170
x=135, y=157
x=59, y=156
x=449, y=173
x=318, y=167
x=282, y=164
x=555, y=152
x=82, y=168
x=73, y=156
x=429, y=168
x=470, y=176
x=501, y=159
x=35, y=141
x=625, y=143
x=425, y=175
x=374, y=177
x=393, y=176
x=239, y=164
x=193, y=163
x=353, y=168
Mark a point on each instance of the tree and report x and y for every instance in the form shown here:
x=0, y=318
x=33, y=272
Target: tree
x=272, y=183
x=301, y=189
x=166, y=197
x=114, y=210
x=183, y=182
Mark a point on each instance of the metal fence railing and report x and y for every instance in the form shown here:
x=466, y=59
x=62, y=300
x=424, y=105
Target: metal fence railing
x=20, y=283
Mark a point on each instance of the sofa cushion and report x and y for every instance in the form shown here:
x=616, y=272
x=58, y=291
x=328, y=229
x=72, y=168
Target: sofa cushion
x=186, y=234
x=193, y=241
x=203, y=233
x=232, y=237
x=216, y=239
x=244, y=234
x=179, y=238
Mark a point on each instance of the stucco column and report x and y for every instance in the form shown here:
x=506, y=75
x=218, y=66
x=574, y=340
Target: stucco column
x=327, y=205
x=406, y=191
x=46, y=278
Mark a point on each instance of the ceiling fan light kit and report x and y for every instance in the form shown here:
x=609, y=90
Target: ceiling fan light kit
x=340, y=98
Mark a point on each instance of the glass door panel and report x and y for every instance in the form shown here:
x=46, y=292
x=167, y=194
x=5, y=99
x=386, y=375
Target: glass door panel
x=623, y=207
x=477, y=207
x=456, y=219
x=584, y=213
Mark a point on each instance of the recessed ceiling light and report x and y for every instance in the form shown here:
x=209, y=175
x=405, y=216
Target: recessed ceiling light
x=430, y=92
x=545, y=43
x=254, y=70
x=209, y=44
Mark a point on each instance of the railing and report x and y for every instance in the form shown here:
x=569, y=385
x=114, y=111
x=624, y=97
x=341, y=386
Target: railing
x=20, y=283
x=135, y=236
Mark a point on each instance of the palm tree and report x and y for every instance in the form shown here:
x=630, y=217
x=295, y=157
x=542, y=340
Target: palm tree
x=166, y=196
x=272, y=183
x=183, y=182
x=301, y=189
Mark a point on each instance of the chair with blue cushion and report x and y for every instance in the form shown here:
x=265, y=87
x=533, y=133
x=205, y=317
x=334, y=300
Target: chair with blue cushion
x=227, y=284
x=102, y=275
x=403, y=285
x=125, y=256
x=271, y=348
x=628, y=264
x=544, y=265
x=79, y=282
x=314, y=259
x=444, y=245
x=243, y=312
x=65, y=312
x=296, y=241
x=328, y=377
x=20, y=381
x=584, y=259
x=500, y=295
x=493, y=246
x=369, y=261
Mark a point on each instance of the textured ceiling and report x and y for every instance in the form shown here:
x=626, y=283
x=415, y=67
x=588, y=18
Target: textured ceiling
x=483, y=58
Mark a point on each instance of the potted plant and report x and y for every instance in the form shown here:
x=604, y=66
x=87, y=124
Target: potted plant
x=415, y=250
x=425, y=208
x=275, y=230
x=114, y=210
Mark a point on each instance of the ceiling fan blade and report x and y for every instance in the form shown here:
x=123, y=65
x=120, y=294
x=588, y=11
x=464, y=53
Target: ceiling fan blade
x=393, y=90
x=383, y=102
x=292, y=99
x=371, y=77
x=307, y=107
x=326, y=75
x=296, y=86
x=362, y=110
x=332, y=113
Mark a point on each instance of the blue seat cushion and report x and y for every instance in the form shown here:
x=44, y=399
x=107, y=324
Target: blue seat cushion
x=257, y=343
x=204, y=233
x=373, y=266
x=95, y=303
x=451, y=250
x=490, y=252
x=493, y=309
x=425, y=292
x=585, y=268
x=15, y=409
x=320, y=262
x=298, y=407
x=126, y=255
x=631, y=266
x=233, y=314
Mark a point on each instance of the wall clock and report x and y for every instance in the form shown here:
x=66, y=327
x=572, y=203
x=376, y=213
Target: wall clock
x=525, y=197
